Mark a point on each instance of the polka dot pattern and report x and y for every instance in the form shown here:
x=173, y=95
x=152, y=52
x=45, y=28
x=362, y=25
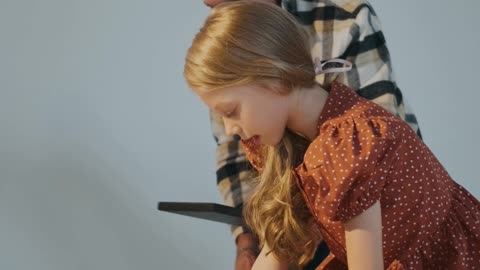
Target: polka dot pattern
x=364, y=154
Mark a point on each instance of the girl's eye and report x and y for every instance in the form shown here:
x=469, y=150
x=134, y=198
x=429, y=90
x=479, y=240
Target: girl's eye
x=231, y=113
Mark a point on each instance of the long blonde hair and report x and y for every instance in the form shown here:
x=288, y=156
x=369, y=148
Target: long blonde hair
x=254, y=42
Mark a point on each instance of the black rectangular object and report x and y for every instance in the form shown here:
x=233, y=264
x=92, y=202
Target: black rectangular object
x=209, y=211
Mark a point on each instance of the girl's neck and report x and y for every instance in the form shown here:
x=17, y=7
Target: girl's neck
x=306, y=104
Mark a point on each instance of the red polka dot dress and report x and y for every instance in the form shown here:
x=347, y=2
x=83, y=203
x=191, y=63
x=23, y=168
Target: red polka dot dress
x=364, y=154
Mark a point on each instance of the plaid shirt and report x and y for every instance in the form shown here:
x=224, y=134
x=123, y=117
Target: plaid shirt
x=347, y=29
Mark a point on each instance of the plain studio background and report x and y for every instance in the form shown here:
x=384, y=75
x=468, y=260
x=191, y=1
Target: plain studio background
x=97, y=125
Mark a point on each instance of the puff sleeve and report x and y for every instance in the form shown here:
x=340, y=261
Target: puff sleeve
x=347, y=166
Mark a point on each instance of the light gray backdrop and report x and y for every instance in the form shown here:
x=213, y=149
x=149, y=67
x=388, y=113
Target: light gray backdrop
x=97, y=125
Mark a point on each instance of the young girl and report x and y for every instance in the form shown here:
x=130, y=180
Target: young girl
x=332, y=165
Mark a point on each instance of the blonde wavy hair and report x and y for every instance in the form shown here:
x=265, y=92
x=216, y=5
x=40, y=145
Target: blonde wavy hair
x=254, y=42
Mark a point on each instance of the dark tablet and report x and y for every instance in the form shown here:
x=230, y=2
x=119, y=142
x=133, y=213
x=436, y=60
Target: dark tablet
x=209, y=211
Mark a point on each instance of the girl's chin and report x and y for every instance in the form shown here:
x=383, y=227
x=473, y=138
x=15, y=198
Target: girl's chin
x=271, y=143
x=257, y=140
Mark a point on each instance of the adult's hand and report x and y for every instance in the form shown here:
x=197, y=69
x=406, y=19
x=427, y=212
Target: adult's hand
x=247, y=251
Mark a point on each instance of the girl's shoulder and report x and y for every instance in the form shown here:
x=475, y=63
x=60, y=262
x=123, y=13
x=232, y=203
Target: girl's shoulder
x=351, y=136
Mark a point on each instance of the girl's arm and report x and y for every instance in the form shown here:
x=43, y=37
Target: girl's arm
x=363, y=235
x=268, y=262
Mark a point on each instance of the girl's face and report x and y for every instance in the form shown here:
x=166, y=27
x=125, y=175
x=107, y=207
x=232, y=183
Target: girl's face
x=250, y=111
